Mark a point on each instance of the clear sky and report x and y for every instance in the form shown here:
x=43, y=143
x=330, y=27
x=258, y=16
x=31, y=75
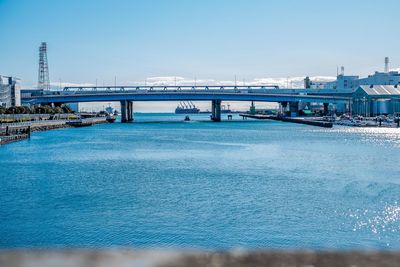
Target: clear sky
x=207, y=39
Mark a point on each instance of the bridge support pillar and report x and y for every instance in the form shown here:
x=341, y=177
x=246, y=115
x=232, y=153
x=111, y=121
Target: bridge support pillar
x=130, y=111
x=284, y=107
x=126, y=111
x=326, y=110
x=216, y=110
x=294, y=109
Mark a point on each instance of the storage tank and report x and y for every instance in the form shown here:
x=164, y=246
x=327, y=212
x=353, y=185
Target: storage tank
x=381, y=106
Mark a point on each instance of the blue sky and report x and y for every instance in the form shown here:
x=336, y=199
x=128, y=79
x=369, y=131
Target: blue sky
x=208, y=39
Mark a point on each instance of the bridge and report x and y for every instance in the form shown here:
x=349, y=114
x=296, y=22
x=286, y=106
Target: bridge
x=126, y=95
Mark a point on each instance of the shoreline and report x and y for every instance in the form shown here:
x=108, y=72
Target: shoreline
x=321, y=122
x=40, y=127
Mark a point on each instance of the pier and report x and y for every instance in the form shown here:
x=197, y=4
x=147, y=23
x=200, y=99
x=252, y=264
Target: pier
x=306, y=121
x=13, y=133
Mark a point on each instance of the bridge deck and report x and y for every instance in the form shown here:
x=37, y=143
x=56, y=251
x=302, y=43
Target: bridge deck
x=261, y=95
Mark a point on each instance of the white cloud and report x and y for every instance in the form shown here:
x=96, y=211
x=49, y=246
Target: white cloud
x=282, y=82
x=171, y=80
x=289, y=82
x=66, y=84
x=292, y=82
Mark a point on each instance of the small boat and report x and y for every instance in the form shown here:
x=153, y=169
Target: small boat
x=187, y=118
x=79, y=123
x=110, y=118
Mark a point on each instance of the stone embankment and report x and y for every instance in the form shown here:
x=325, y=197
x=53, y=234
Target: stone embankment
x=12, y=132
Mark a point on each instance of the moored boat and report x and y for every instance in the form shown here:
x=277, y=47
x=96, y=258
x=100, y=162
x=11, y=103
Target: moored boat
x=110, y=118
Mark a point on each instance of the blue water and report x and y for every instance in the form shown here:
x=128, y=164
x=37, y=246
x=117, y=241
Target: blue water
x=163, y=183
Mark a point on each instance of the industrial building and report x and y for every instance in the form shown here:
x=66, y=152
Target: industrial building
x=353, y=82
x=375, y=100
x=377, y=94
x=10, y=92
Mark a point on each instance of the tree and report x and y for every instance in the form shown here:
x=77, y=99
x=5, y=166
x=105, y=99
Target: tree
x=20, y=110
x=48, y=109
x=38, y=110
x=11, y=110
x=58, y=110
x=67, y=109
x=27, y=110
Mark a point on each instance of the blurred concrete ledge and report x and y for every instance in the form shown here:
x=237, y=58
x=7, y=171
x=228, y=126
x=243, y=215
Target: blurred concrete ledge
x=163, y=258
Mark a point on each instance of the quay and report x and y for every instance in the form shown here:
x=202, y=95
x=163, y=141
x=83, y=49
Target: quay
x=318, y=123
x=12, y=138
x=12, y=132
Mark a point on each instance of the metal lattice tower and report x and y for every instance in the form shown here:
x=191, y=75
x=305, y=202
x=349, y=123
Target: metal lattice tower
x=43, y=79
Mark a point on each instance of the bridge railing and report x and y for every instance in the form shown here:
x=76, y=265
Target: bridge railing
x=168, y=87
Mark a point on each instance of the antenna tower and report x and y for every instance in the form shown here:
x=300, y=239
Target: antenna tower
x=43, y=79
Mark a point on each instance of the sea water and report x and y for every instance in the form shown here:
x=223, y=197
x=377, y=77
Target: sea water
x=160, y=183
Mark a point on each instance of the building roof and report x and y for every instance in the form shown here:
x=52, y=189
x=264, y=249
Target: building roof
x=375, y=90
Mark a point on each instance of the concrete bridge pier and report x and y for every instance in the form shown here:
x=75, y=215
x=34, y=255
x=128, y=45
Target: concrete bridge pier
x=294, y=109
x=284, y=107
x=126, y=111
x=130, y=111
x=216, y=110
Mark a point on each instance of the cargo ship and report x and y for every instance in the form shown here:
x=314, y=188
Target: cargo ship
x=186, y=107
